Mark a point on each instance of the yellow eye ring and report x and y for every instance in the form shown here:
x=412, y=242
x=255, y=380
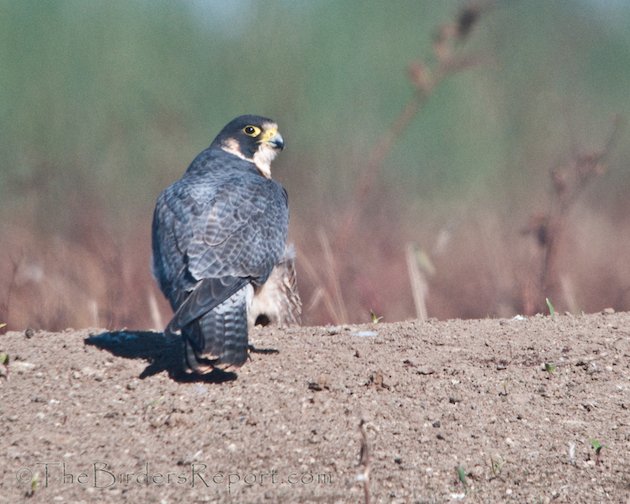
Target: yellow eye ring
x=251, y=131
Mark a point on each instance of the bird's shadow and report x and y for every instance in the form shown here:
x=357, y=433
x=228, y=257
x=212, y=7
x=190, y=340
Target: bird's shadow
x=163, y=353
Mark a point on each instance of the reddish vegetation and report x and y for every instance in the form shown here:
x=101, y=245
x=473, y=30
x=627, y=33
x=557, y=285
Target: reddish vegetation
x=368, y=253
x=483, y=266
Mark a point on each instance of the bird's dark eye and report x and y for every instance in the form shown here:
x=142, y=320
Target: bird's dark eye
x=252, y=131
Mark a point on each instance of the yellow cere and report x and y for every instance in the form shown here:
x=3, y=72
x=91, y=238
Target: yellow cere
x=269, y=134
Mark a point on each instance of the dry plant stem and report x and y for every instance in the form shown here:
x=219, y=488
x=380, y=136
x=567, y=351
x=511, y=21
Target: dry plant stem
x=323, y=293
x=6, y=306
x=376, y=159
x=419, y=284
x=156, y=316
x=424, y=81
x=569, y=184
x=364, y=461
x=333, y=275
x=384, y=147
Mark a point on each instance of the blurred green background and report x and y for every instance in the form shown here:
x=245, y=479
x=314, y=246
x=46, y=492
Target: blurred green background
x=104, y=103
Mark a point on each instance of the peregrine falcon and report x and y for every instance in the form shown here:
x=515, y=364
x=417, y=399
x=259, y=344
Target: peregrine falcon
x=218, y=232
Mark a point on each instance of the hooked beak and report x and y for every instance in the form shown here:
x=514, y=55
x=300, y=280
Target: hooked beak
x=276, y=141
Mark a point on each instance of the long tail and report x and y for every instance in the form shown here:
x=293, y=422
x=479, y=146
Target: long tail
x=207, y=295
x=218, y=339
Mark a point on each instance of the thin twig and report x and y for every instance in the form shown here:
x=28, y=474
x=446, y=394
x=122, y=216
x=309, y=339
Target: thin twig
x=156, y=316
x=449, y=61
x=419, y=284
x=321, y=293
x=364, y=462
x=569, y=182
x=333, y=276
x=6, y=308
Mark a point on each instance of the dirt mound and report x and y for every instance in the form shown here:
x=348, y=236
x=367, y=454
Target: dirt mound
x=478, y=411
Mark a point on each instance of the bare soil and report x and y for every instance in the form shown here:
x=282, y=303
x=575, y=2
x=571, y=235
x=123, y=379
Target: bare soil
x=471, y=411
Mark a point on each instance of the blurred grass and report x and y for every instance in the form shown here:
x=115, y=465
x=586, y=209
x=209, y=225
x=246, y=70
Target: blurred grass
x=103, y=104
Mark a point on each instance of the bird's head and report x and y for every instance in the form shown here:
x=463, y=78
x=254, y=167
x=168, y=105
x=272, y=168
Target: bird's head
x=253, y=138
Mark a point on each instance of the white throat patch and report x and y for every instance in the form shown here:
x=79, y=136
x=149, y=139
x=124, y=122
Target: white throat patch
x=262, y=159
